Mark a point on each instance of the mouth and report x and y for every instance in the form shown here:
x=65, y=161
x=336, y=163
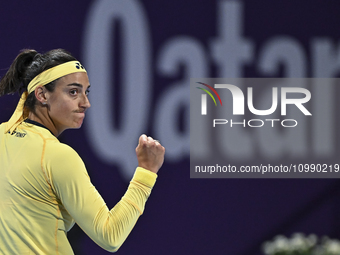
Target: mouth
x=80, y=114
x=80, y=111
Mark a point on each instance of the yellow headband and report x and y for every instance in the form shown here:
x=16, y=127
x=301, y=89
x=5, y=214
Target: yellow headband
x=41, y=80
x=54, y=73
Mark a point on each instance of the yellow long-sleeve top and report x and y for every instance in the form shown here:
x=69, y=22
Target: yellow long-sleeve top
x=45, y=189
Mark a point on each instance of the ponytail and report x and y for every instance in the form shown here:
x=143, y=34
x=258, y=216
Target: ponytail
x=14, y=79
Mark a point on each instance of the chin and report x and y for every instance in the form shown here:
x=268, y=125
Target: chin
x=78, y=123
x=77, y=126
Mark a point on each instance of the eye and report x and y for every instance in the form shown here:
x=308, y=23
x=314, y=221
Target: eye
x=87, y=92
x=73, y=92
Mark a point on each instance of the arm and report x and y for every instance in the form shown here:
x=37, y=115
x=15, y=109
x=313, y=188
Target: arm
x=72, y=185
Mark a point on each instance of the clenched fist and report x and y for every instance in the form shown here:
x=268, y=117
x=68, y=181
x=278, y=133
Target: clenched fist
x=150, y=153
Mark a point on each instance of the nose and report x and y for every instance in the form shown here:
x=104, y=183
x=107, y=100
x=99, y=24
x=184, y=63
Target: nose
x=85, y=103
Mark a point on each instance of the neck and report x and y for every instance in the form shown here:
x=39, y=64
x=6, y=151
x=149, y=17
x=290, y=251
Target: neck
x=41, y=116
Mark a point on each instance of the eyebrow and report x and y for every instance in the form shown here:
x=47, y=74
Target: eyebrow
x=77, y=85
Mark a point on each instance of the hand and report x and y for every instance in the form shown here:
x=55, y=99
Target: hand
x=150, y=153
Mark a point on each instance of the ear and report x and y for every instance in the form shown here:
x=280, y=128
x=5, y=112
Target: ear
x=41, y=94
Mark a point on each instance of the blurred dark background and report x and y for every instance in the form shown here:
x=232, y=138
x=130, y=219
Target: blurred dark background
x=140, y=56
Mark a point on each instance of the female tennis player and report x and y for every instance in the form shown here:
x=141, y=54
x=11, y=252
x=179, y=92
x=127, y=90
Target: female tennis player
x=44, y=185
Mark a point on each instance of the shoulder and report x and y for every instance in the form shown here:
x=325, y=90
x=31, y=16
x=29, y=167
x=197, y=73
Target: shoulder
x=60, y=160
x=56, y=150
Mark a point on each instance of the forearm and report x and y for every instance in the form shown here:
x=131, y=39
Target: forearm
x=113, y=227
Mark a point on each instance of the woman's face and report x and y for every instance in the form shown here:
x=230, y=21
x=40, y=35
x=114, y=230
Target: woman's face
x=68, y=102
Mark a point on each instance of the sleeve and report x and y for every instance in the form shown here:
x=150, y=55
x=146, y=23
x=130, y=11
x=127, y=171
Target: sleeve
x=72, y=185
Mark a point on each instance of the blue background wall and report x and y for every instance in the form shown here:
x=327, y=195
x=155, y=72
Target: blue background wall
x=150, y=49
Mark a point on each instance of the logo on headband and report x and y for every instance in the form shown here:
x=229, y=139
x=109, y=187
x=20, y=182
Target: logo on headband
x=78, y=66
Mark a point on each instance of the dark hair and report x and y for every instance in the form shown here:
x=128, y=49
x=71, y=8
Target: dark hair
x=28, y=64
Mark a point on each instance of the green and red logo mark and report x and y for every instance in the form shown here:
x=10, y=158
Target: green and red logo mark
x=204, y=97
